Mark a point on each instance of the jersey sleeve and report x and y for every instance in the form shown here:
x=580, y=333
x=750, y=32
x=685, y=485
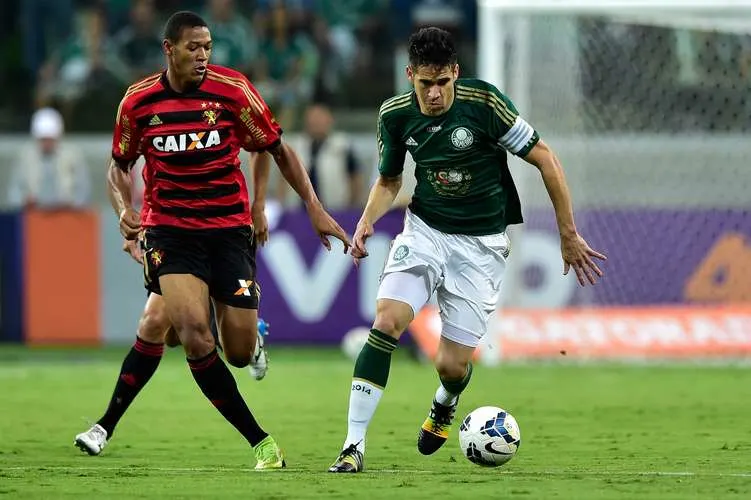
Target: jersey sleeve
x=391, y=152
x=512, y=132
x=126, y=138
x=258, y=130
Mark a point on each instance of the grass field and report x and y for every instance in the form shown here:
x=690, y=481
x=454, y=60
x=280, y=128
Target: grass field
x=601, y=431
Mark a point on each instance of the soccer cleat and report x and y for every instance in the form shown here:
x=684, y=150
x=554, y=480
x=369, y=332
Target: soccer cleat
x=92, y=441
x=259, y=364
x=268, y=455
x=350, y=460
x=435, y=429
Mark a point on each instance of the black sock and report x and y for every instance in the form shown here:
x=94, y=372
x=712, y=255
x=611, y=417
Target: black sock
x=219, y=386
x=138, y=367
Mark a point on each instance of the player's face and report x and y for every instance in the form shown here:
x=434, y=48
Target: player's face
x=434, y=86
x=190, y=55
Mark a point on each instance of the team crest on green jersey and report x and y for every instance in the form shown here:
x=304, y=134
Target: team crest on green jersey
x=450, y=181
x=462, y=138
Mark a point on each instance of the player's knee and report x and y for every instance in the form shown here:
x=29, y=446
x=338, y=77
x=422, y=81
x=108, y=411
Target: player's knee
x=195, y=336
x=153, y=326
x=450, y=368
x=237, y=354
x=238, y=360
x=392, y=317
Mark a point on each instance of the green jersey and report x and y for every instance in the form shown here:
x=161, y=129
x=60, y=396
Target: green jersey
x=463, y=181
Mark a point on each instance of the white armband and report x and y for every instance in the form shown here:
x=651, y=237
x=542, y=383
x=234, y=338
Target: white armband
x=518, y=136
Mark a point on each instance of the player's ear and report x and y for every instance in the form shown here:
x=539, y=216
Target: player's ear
x=410, y=75
x=167, y=47
x=456, y=71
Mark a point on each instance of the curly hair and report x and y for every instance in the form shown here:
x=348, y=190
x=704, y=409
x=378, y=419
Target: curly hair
x=431, y=47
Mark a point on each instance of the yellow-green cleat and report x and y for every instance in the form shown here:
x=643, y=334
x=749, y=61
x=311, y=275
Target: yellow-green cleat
x=350, y=460
x=268, y=455
x=435, y=429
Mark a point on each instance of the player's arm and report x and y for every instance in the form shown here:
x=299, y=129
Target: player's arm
x=546, y=161
x=260, y=166
x=391, y=157
x=575, y=251
x=260, y=132
x=295, y=174
x=125, y=143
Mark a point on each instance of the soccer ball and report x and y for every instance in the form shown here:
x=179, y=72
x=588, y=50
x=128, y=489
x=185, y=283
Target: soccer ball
x=489, y=436
x=354, y=340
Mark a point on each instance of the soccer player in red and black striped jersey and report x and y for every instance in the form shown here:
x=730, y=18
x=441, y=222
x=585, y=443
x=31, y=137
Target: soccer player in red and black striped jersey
x=190, y=123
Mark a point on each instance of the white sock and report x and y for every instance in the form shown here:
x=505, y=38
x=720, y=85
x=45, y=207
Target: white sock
x=444, y=397
x=363, y=401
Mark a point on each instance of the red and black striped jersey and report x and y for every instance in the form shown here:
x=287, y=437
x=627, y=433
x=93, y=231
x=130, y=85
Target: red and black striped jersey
x=191, y=144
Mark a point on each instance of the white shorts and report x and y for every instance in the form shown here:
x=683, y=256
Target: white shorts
x=465, y=272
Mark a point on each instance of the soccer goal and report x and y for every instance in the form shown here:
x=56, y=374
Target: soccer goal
x=648, y=103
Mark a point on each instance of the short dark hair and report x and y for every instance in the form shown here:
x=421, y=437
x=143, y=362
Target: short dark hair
x=431, y=47
x=180, y=21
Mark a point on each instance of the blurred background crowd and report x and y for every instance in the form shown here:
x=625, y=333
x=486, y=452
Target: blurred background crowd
x=324, y=66
x=79, y=55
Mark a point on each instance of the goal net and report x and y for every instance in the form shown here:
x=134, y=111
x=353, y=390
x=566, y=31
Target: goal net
x=648, y=105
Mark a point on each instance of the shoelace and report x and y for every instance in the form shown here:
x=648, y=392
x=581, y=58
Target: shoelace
x=442, y=418
x=350, y=450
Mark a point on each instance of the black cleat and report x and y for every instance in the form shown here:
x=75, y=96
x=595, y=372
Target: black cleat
x=435, y=429
x=350, y=460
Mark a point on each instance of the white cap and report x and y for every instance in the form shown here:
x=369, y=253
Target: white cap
x=47, y=123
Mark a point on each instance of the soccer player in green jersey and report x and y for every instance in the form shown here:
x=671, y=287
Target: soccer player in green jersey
x=454, y=243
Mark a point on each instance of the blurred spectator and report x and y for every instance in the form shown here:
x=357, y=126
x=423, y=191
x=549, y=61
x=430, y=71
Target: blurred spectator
x=68, y=73
x=286, y=69
x=49, y=174
x=138, y=45
x=234, y=43
x=46, y=24
x=331, y=163
x=350, y=24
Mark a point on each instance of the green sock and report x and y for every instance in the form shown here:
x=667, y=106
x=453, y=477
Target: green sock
x=374, y=361
x=448, y=392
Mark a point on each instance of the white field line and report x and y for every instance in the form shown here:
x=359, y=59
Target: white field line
x=219, y=470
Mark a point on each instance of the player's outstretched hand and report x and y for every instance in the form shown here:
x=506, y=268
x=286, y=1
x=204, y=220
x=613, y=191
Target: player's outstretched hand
x=362, y=233
x=577, y=254
x=133, y=248
x=130, y=224
x=326, y=226
x=260, y=224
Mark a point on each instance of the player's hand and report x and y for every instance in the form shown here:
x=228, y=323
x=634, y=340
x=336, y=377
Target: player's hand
x=260, y=224
x=362, y=233
x=133, y=248
x=326, y=226
x=130, y=223
x=576, y=253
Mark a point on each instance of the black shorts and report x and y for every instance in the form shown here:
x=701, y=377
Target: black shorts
x=225, y=259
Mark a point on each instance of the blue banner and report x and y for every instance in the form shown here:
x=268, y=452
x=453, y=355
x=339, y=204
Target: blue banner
x=11, y=277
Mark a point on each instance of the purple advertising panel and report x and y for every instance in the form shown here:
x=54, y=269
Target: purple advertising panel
x=309, y=295
x=656, y=256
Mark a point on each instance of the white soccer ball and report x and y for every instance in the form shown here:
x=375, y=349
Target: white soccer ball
x=489, y=436
x=354, y=340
